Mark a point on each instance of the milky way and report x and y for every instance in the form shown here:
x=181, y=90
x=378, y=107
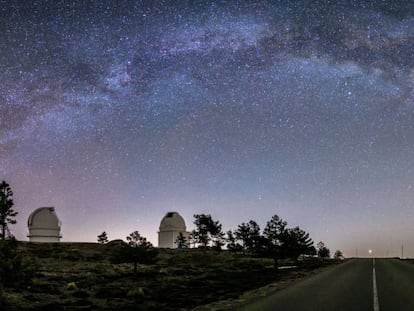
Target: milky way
x=116, y=112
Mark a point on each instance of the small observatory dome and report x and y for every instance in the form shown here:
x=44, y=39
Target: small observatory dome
x=44, y=225
x=172, y=221
x=170, y=227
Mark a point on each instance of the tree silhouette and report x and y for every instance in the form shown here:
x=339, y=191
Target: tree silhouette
x=136, y=240
x=103, y=238
x=323, y=251
x=181, y=241
x=207, y=230
x=296, y=242
x=138, y=250
x=249, y=235
x=218, y=240
x=273, y=233
x=7, y=214
x=232, y=244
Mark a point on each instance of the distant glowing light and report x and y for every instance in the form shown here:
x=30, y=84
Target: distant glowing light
x=370, y=251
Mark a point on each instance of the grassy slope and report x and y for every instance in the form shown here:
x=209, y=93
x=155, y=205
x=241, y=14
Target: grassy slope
x=79, y=276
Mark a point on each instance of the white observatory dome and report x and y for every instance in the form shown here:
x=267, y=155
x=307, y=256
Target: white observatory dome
x=172, y=221
x=171, y=226
x=44, y=225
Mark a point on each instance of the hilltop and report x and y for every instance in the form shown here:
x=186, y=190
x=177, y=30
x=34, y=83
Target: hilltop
x=80, y=276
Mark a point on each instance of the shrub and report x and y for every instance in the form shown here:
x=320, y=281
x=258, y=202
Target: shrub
x=71, y=286
x=15, y=268
x=134, y=255
x=137, y=292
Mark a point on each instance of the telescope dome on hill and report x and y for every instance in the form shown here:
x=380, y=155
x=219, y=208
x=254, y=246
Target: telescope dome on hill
x=170, y=227
x=44, y=225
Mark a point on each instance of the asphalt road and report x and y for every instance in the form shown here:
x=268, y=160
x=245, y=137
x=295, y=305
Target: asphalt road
x=349, y=286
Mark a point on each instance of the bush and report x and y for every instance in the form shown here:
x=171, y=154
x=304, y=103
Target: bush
x=137, y=292
x=71, y=286
x=15, y=269
x=134, y=255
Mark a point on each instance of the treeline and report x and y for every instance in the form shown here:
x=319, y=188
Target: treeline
x=276, y=240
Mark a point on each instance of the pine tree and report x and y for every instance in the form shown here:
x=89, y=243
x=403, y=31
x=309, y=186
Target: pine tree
x=181, y=241
x=103, y=238
x=323, y=251
x=296, y=242
x=136, y=240
x=207, y=231
x=7, y=214
x=138, y=250
x=273, y=233
x=249, y=234
x=232, y=244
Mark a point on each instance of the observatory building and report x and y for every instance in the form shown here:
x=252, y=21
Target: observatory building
x=44, y=225
x=170, y=227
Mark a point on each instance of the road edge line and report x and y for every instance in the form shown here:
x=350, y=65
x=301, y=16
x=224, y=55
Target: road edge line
x=374, y=285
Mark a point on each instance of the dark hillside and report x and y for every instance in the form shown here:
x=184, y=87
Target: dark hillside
x=80, y=276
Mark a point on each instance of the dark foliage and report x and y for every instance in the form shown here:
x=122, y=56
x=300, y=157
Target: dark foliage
x=323, y=251
x=103, y=238
x=296, y=242
x=207, y=231
x=15, y=269
x=7, y=213
x=249, y=235
x=181, y=241
x=136, y=240
x=138, y=250
x=232, y=244
x=273, y=233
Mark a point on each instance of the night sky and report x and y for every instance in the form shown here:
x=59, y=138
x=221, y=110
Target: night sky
x=116, y=112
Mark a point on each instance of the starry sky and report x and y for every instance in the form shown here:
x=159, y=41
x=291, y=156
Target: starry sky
x=116, y=112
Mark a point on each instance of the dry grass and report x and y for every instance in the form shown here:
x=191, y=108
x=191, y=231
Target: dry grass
x=79, y=276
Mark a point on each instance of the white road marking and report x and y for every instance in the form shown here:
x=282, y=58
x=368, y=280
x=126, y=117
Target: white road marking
x=287, y=267
x=374, y=285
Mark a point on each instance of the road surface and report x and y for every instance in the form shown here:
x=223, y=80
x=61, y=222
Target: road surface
x=359, y=284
